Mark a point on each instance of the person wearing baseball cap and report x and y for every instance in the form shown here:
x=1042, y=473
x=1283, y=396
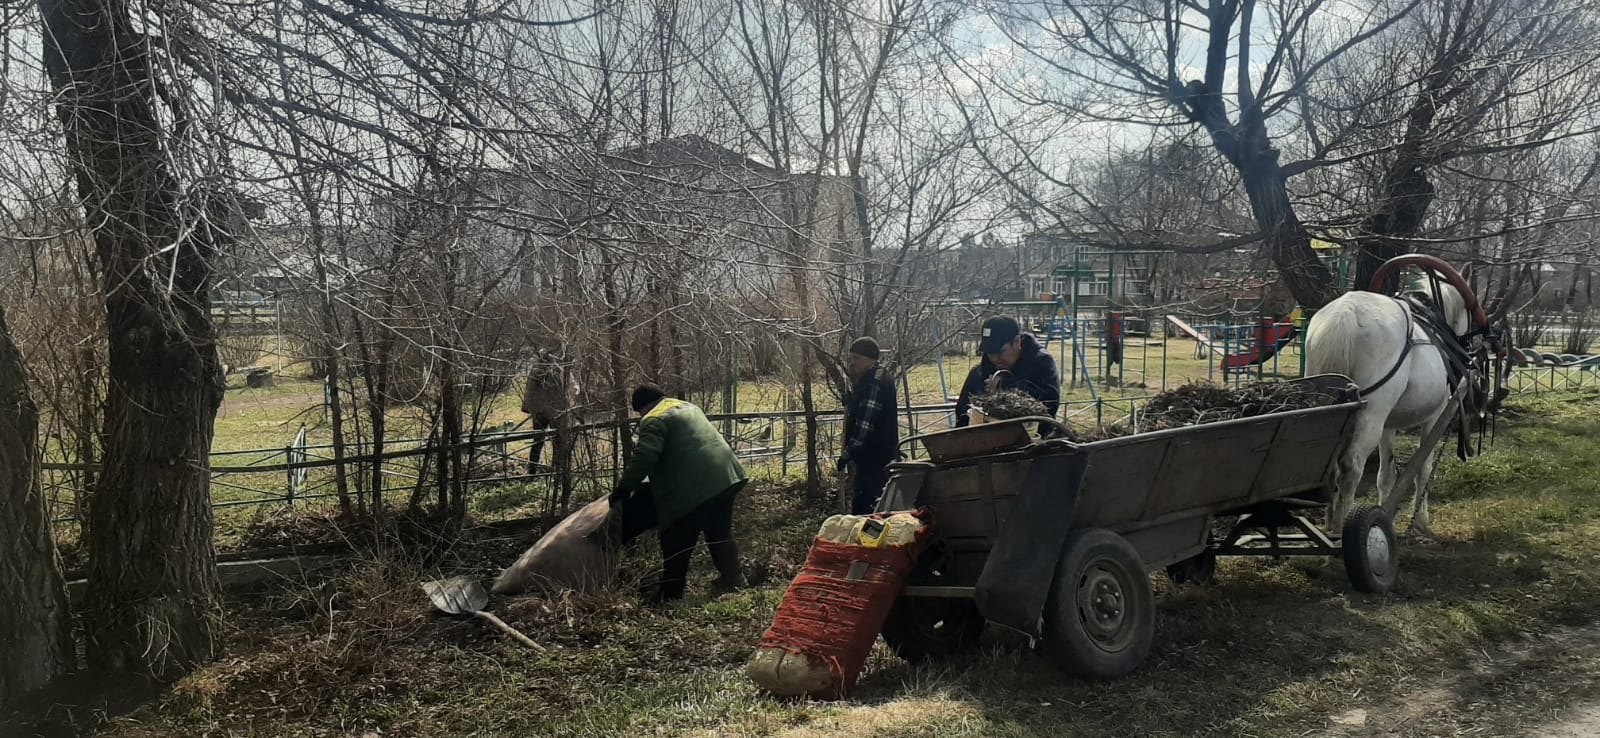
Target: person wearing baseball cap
x=1011, y=359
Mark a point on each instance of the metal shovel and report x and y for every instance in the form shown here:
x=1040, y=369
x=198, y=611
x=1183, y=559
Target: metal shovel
x=464, y=596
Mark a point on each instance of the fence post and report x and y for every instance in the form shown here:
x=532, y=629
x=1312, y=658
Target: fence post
x=905, y=392
x=1264, y=330
x=1305, y=320
x=288, y=473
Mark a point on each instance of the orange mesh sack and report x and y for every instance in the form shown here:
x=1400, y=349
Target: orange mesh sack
x=831, y=614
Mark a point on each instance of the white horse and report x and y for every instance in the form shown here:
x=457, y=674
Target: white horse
x=1364, y=336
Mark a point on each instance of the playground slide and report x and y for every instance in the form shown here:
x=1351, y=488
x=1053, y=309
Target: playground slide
x=1190, y=330
x=1277, y=336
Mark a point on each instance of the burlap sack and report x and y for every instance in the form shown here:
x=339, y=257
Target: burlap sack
x=580, y=553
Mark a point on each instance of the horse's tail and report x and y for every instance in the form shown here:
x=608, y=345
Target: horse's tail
x=1333, y=340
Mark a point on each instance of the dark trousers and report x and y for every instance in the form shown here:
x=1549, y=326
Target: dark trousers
x=712, y=520
x=870, y=480
x=541, y=421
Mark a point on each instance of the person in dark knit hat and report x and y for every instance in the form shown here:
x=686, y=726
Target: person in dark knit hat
x=694, y=478
x=871, y=432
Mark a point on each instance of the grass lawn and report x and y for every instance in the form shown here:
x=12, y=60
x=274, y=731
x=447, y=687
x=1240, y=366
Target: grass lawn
x=254, y=425
x=1269, y=650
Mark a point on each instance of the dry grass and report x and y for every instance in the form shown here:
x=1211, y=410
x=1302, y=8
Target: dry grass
x=1270, y=650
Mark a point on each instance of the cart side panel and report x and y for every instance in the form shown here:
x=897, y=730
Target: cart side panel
x=1169, y=543
x=1303, y=454
x=1117, y=482
x=974, y=500
x=971, y=504
x=1211, y=468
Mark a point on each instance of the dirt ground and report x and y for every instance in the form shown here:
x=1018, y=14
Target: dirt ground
x=1548, y=687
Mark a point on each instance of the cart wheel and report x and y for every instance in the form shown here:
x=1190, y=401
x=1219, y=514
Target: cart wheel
x=1100, y=617
x=1200, y=568
x=1370, y=555
x=923, y=628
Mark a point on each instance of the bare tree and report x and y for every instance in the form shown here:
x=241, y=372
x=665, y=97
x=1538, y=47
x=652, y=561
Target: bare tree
x=1127, y=63
x=35, y=625
x=1492, y=80
x=152, y=575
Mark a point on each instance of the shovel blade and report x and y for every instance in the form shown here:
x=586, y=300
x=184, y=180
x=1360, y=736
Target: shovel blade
x=456, y=595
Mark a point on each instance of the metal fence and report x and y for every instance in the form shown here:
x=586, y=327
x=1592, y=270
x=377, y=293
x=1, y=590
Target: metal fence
x=301, y=472
x=1530, y=379
x=770, y=442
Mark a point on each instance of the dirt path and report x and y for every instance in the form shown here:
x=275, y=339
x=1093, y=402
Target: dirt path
x=1547, y=686
x=1582, y=721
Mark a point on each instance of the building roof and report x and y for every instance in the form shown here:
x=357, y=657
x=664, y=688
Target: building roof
x=689, y=150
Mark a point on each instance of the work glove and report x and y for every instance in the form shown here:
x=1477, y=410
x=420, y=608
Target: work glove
x=842, y=465
x=619, y=496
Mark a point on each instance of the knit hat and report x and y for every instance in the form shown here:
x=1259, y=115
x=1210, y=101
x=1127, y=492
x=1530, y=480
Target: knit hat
x=865, y=346
x=645, y=394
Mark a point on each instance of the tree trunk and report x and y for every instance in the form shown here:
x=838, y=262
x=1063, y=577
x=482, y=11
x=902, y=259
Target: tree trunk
x=87, y=431
x=1248, y=147
x=35, y=624
x=1407, y=194
x=1287, y=242
x=152, y=586
x=808, y=404
x=867, y=310
x=329, y=319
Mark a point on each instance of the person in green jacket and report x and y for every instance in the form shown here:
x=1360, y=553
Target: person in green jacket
x=694, y=478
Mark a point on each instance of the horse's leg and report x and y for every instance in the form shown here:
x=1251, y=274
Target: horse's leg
x=1386, y=466
x=1369, y=429
x=1419, y=514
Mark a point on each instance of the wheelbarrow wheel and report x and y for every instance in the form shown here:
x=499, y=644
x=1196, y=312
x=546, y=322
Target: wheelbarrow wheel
x=1371, y=557
x=1100, y=617
x=925, y=628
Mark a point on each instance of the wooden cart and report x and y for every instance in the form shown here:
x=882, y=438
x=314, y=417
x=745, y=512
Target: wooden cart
x=1055, y=539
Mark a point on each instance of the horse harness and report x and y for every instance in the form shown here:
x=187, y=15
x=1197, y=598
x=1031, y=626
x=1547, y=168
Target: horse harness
x=1459, y=360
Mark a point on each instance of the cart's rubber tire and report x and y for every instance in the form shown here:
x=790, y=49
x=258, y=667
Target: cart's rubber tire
x=1100, y=617
x=922, y=628
x=1371, y=557
x=1200, y=568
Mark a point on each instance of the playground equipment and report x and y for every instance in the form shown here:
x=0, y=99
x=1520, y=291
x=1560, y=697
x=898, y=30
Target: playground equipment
x=1242, y=349
x=1270, y=336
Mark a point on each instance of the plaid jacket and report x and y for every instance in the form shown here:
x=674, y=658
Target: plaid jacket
x=871, y=433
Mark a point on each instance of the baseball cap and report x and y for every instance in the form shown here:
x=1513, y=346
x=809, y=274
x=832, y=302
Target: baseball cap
x=997, y=332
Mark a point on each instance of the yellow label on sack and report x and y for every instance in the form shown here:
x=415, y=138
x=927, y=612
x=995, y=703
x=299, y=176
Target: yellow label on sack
x=873, y=533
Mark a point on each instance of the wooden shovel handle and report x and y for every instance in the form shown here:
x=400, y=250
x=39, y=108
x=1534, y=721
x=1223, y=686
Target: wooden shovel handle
x=510, y=631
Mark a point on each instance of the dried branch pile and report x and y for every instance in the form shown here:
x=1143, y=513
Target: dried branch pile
x=1203, y=402
x=1193, y=404
x=1007, y=404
